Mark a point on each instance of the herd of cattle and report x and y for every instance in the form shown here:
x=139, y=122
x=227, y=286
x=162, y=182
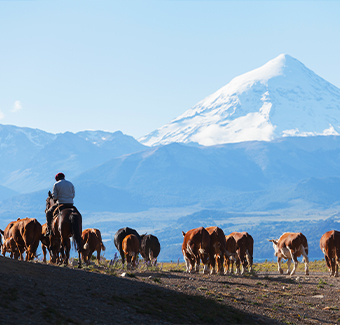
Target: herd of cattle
x=209, y=245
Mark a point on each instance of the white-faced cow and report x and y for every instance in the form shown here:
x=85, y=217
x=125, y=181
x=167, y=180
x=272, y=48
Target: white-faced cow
x=290, y=246
x=330, y=246
x=217, y=252
x=231, y=256
x=244, y=250
x=150, y=248
x=119, y=237
x=196, y=247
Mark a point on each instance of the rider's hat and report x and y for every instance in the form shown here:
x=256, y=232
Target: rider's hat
x=59, y=176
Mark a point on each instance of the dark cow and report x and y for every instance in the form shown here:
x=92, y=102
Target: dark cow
x=218, y=250
x=130, y=247
x=330, y=246
x=231, y=249
x=150, y=248
x=92, y=241
x=196, y=247
x=120, y=235
x=26, y=233
x=244, y=250
x=290, y=246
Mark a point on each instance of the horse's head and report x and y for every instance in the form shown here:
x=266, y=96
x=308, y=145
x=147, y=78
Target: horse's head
x=49, y=201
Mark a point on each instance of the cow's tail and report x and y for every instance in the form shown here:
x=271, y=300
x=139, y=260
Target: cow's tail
x=76, y=225
x=101, y=243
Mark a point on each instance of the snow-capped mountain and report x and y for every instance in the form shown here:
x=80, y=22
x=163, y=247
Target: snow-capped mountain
x=282, y=98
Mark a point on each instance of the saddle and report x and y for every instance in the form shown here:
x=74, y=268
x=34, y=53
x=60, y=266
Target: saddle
x=62, y=207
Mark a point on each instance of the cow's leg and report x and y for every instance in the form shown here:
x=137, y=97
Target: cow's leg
x=332, y=263
x=279, y=265
x=295, y=261
x=305, y=259
x=128, y=262
x=249, y=260
x=289, y=260
x=220, y=269
x=98, y=255
x=242, y=260
x=226, y=264
x=232, y=261
x=212, y=264
x=197, y=264
x=238, y=263
x=187, y=262
x=337, y=261
x=328, y=263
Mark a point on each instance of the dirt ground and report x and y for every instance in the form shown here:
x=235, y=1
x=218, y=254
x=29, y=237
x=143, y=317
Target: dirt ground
x=35, y=293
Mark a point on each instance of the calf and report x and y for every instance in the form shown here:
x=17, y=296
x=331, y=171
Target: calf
x=150, y=248
x=231, y=257
x=218, y=246
x=330, y=246
x=244, y=250
x=92, y=241
x=196, y=247
x=9, y=246
x=290, y=246
x=130, y=247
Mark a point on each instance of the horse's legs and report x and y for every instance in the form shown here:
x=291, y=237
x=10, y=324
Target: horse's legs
x=79, y=259
x=65, y=249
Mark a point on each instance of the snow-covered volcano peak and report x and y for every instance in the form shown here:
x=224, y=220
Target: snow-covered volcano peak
x=281, y=98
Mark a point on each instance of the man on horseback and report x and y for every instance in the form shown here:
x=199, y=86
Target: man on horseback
x=63, y=194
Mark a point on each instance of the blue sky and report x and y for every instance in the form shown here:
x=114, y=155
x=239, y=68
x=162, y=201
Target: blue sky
x=135, y=65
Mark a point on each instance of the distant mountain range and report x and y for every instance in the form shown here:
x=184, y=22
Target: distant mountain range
x=30, y=158
x=289, y=170
x=281, y=98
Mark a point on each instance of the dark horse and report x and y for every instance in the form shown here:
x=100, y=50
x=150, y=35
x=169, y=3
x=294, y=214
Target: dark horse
x=68, y=223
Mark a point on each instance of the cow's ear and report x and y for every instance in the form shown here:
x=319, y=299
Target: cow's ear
x=183, y=233
x=273, y=241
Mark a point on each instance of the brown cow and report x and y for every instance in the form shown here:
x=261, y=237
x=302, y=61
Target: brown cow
x=26, y=235
x=244, y=250
x=196, y=247
x=92, y=241
x=330, y=246
x=218, y=246
x=130, y=246
x=290, y=246
x=231, y=249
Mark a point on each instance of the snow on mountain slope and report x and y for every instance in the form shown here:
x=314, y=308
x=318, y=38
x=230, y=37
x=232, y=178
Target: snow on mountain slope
x=281, y=98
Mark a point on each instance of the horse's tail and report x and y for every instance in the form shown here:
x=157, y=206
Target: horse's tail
x=76, y=225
